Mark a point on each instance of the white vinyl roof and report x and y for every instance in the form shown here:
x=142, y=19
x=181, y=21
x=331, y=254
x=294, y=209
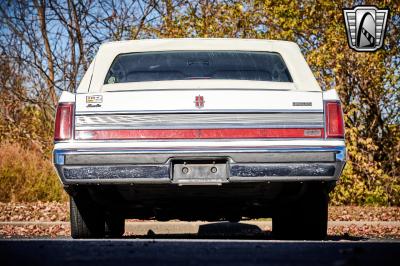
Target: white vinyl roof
x=93, y=81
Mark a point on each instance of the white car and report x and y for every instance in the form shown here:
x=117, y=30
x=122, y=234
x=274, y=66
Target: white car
x=199, y=129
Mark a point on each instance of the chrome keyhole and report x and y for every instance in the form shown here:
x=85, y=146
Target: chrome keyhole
x=185, y=170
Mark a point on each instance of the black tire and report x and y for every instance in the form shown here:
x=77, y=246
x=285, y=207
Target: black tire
x=114, y=226
x=87, y=221
x=306, y=219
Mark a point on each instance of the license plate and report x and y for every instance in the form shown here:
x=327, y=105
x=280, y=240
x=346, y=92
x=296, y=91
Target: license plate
x=200, y=173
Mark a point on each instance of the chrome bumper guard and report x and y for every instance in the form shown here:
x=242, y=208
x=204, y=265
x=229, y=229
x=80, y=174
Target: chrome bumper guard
x=156, y=166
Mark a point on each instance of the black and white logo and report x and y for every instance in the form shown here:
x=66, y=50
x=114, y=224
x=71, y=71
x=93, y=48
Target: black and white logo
x=366, y=27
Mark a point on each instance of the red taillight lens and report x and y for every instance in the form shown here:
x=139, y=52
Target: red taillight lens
x=64, y=117
x=223, y=133
x=334, y=120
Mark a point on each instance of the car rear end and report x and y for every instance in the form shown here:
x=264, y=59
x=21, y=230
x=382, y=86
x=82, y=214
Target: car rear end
x=171, y=129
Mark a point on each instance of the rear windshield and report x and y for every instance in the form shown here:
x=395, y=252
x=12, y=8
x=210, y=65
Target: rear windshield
x=186, y=65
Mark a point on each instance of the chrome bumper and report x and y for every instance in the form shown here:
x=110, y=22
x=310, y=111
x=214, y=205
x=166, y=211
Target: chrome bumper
x=132, y=166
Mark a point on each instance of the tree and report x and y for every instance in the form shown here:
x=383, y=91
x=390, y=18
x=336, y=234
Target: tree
x=50, y=44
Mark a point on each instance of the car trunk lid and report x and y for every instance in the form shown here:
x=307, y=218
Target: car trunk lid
x=199, y=113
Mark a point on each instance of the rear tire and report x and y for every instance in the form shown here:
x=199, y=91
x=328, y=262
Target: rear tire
x=87, y=221
x=114, y=226
x=306, y=219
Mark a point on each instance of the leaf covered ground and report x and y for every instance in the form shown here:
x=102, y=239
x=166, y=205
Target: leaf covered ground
x=58, y=213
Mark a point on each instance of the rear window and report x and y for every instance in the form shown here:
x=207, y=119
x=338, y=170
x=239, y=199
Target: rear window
x=186, y=65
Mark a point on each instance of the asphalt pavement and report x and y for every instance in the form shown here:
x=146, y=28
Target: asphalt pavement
x=197, y=252
x=199, y=243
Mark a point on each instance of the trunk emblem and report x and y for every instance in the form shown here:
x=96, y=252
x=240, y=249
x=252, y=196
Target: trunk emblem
x=199, y=101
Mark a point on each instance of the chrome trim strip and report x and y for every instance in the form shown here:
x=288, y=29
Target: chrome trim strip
x=58, y=156
x=158, y=181
x=127, y=112
x=186, y=140
x=163, y=158
x=199, y=120
x=199, y=126
x=210, y=89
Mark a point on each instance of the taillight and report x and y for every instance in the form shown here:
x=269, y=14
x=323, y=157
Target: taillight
x=223, y=133
x=333, y=120
x=64, y=119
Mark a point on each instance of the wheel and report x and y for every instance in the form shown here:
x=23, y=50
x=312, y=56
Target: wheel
x=87, y=221
x=114, y=226
x=306, y=219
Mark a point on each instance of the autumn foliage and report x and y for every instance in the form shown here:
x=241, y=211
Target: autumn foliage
x=45, y=48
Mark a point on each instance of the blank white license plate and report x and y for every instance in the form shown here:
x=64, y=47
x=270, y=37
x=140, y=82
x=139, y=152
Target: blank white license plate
x=200, y=173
